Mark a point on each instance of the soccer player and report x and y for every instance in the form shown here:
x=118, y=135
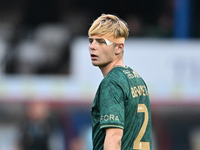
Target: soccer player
x=121, y=116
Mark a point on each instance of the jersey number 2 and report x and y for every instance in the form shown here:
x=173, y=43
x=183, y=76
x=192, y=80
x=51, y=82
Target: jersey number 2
x=138, y=144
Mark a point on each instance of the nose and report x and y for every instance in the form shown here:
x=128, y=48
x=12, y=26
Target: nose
x=92, y=45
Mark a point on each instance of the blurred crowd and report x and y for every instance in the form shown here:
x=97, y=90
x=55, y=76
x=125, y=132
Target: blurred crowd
x=35, y=35
x=37, y=125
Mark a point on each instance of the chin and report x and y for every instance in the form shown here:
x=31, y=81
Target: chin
x=96, y=65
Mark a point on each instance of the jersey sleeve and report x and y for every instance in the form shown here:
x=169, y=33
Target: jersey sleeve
x=111, y=105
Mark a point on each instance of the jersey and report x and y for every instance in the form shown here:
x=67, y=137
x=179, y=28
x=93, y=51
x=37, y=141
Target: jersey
x=122, y=101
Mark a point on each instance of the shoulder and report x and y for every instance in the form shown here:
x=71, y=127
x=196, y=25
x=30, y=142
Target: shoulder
x=115, y=77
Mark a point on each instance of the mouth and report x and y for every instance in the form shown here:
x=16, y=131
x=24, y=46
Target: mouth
x=93, y=56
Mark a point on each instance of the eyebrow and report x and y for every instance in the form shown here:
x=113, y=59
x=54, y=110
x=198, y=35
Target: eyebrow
x=96, y=39
x=107, y=41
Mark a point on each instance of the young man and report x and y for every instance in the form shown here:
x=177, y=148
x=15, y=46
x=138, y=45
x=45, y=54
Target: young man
x=121, y=116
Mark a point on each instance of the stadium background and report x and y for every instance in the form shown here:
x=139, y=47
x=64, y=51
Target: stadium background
x=47, y=82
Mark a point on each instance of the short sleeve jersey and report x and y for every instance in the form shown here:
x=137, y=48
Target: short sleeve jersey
x=122, y=101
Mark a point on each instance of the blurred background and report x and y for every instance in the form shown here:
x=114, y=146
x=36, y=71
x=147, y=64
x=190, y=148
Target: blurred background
x=47, y=82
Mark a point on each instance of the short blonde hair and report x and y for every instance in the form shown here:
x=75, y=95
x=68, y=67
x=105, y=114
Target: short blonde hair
x=111, y=25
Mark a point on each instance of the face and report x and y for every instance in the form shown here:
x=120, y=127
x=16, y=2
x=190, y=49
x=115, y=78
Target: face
x=102, y=51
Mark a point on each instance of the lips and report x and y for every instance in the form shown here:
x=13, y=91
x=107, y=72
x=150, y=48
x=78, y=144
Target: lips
x=93, y=56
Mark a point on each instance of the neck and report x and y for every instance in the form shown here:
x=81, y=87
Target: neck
x=106, y=69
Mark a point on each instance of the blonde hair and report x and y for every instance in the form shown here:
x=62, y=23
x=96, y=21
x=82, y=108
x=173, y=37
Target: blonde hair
x=110, y=25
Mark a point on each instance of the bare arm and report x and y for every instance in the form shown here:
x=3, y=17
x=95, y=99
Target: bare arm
x=113, y=139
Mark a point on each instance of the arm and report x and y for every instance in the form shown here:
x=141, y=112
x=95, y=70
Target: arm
x=113, y=139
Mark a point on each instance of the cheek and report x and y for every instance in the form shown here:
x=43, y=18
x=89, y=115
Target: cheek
x=109, y=55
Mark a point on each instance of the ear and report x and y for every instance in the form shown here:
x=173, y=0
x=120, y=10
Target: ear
x=119, y=48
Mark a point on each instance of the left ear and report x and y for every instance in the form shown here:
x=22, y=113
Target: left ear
x=119, y=48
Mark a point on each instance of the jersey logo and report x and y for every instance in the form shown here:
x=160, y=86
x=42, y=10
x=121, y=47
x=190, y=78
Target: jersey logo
x=110, y=117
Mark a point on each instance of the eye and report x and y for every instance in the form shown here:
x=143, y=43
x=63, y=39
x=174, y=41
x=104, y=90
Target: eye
x=101, y=41
x=90, y=41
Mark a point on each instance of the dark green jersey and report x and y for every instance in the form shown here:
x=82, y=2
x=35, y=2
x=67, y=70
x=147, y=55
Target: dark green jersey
x=122, y=101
